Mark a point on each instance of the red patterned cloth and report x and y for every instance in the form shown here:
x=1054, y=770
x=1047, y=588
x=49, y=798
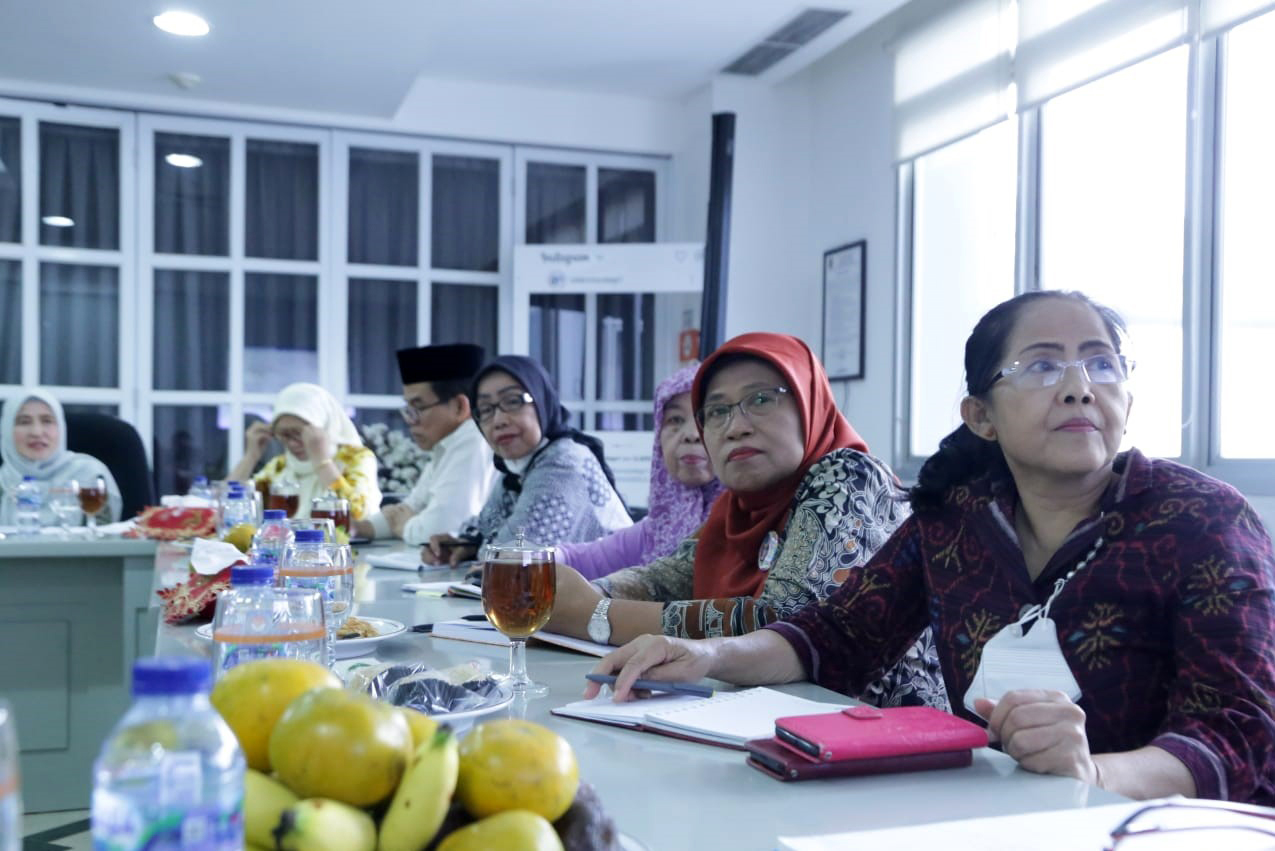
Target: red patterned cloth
x=194, y=598
x=172, y=524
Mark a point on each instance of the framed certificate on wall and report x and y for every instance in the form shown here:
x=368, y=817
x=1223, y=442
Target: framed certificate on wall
x=844, y=289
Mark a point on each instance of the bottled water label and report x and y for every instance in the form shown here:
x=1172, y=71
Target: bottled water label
x=167, y=812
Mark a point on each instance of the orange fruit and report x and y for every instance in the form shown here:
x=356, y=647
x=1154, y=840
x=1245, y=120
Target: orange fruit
x=251, y=698
x=516, y=765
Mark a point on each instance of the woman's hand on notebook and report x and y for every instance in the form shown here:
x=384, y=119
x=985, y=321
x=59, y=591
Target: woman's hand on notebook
x=656, y=657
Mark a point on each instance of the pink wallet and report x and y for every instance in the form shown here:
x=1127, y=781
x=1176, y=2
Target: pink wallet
x=865, y=732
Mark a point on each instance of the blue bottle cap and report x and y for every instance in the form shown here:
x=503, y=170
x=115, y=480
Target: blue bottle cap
x=159, y=675
x=28, y=478
x=256, y=574
x=274, y=514
x=200, y=480
x=309, y=536
x=265, y=559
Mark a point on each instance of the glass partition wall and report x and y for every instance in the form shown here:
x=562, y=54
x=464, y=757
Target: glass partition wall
x=178, y=272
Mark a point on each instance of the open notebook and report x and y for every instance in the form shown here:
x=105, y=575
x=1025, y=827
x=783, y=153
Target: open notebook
x=482, y=632
x=728, y=718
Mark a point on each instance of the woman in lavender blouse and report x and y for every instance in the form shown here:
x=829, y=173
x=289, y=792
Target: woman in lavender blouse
x=683, y=487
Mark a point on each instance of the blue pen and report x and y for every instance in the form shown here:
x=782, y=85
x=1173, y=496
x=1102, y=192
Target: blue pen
x=656, y=685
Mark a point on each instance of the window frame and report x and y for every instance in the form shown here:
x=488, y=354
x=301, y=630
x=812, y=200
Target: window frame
x=31, y=254
x=1201, y=281
x=589, y=406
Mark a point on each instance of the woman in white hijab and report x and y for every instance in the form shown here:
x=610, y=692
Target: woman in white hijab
x=322, y=451
x=33, y=443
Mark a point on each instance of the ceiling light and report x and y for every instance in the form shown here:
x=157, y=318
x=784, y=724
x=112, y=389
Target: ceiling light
x=183, y=160
x=181, y=23
x=58, y=221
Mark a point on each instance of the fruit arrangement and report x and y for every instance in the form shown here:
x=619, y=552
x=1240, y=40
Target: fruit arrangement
x=336, y=770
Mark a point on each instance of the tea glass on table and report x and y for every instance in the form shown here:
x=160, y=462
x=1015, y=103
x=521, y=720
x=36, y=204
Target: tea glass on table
x=93, y=498
x=333, y=507
x=64, y=502
x=519, y=586
x=285, y=495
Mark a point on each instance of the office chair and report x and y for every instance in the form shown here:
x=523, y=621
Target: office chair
x=117, y=445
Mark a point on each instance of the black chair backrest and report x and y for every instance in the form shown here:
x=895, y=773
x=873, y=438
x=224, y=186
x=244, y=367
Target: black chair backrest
x=117, y=445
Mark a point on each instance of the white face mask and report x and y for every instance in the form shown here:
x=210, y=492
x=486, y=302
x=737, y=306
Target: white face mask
x=1016, y=658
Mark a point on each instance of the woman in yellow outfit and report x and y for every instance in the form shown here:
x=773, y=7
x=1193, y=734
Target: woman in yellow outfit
x=322, y=451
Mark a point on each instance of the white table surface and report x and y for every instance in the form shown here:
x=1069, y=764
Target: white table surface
x=672, y=794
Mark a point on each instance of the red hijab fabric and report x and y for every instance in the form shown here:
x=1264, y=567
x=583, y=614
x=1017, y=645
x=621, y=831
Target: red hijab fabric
x=726, y=555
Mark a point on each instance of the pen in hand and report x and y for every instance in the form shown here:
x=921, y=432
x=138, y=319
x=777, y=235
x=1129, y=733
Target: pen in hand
x=656, y=685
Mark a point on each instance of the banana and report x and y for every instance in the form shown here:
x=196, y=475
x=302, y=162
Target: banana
x=264, y=800
x=320, y=824
x=421, y=800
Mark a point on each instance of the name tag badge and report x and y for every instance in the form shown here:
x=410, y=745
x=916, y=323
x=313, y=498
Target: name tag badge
x=769, y=551
x=1016, y=659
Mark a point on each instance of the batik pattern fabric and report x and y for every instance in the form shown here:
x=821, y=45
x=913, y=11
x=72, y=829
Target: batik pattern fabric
x=564, y=497
x=1169, y=629
x=844, y=510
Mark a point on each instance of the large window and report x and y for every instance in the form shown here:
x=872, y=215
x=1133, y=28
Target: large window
x=1143, y=177
x=962, y=264
x=606, y=351
x=1246, y=251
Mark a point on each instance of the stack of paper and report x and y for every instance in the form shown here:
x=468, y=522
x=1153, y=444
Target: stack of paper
x=482, y=632
x=727, y=718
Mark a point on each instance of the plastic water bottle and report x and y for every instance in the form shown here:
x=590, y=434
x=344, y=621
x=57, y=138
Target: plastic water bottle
x=200, y=488
x=237, y=507
x=10, y=793
x=274, y=537
x=309, y=566
x=30, y=499
x=171, y=773
x=255, y=620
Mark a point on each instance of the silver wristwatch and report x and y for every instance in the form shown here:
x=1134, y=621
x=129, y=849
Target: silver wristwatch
x=600, y=624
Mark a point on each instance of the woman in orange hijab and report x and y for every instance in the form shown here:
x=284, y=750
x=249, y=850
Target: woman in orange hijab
x=804, y=504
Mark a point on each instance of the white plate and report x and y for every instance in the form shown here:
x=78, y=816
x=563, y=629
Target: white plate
x=346, y=648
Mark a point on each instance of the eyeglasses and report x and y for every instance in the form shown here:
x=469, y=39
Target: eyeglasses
x=412, y=413
x=509, y=404
x=1046, y=372
x=717, y=416
x=1218, y=817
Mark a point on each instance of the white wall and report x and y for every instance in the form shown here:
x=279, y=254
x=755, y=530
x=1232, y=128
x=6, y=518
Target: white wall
x=446, y=108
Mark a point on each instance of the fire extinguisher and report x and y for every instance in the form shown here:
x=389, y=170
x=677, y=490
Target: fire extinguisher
x=688, y=345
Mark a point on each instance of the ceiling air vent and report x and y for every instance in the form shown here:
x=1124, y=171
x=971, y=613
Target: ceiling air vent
x=793, y=35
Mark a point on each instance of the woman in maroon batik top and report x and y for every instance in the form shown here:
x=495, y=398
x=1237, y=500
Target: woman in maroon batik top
x=1166, y=613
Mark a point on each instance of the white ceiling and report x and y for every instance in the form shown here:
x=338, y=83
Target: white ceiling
x=361, y=57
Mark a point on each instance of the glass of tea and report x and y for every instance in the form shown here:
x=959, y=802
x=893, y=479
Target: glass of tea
x=92, y=500
x=334, y=508
x=285, y=495
x=519, y=586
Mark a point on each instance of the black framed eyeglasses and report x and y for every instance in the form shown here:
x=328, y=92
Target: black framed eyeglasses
x=412, y=413
x=1226, y=818
x=717, y=416
x=509, y=403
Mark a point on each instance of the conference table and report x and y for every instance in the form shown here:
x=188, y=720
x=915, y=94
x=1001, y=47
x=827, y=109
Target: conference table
x=672, y=794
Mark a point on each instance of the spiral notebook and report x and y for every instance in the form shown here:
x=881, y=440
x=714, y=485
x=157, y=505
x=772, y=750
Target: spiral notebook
x=729, y=718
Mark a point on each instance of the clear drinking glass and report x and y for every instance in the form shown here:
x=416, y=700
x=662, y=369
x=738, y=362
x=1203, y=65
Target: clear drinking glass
x=64, y=501
x=333, y=507
x=519, y=586
x=309, y=566
x=93, y=499
x=262, y=621
x=10, y=785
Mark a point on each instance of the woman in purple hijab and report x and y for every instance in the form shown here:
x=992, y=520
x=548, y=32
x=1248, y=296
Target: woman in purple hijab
x=683, y=487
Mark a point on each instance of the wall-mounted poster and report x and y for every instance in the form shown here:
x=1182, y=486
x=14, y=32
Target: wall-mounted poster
x=844, y=289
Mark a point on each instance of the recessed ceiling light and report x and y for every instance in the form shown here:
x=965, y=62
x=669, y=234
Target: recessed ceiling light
x=58, y=221
x=181, y=23
x=183, y=160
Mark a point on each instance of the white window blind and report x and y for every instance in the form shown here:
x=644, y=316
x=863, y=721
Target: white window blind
x=1065, y=45
x=1217, y=15
x=951, y=76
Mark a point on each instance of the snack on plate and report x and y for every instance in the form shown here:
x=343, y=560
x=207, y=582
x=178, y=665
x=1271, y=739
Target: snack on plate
x=356, y=628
